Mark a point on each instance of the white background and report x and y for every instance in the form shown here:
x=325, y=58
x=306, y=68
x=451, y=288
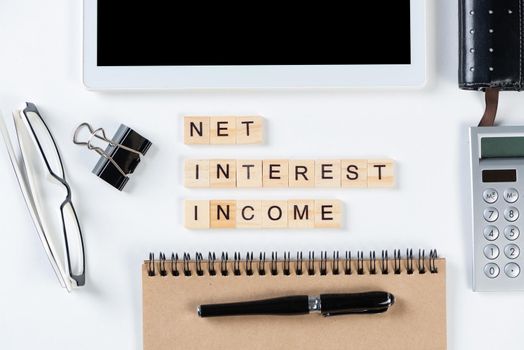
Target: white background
x=425, y=131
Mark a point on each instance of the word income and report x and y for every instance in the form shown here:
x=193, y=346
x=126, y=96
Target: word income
x=308, y=213
x=224, y=173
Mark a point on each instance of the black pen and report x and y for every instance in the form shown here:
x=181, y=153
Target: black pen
x=325, y=304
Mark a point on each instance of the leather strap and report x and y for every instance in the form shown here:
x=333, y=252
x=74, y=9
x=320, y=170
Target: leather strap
x=492, y=101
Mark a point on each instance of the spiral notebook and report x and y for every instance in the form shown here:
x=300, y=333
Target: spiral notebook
x=174, y=287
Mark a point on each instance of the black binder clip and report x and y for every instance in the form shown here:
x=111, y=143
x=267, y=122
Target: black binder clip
x=121, y=155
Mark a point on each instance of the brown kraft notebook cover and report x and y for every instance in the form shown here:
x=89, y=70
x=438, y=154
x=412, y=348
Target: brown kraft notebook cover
x=417, y=320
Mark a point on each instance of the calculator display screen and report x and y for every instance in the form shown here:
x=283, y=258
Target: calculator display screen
x=506, y=175
x=502, y=147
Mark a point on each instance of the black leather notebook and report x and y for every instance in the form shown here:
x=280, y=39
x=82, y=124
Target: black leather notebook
x=491, y=44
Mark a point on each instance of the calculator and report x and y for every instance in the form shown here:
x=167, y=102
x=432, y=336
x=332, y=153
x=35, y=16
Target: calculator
x=497, y=166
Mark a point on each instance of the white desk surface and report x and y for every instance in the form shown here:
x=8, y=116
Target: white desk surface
x=425, y=131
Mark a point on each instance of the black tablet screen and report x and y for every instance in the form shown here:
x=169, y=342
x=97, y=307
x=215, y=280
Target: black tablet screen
x=174, y=33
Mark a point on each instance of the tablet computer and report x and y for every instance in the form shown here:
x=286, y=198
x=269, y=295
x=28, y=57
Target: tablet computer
x=177, y=45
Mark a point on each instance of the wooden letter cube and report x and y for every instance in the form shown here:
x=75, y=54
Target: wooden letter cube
x=196, y=173
x=222, y=173
x=249, y=214
x=250, y=130
x=223, y=214
x=196, y=130
x=274, y=214
x=275, y=173
x=328, y=214
x=327, y=173
x=249, y=173
x=354, y=172
x=301, y=173
x=196, y=214
x=223, y=130
x=301, y=213
x=381, y=173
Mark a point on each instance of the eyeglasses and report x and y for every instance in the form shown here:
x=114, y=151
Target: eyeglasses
x=48, y=195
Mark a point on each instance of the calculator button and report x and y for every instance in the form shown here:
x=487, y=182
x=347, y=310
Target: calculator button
x=491, y=214
x=511, y=214
x=511, y=232
x=490, y=195
x=491, y=270
x=512, y=251
x=491, y=233
x=511, y=195
x=512, y=270
x=491, y=251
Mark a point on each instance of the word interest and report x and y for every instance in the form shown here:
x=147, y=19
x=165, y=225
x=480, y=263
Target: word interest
x=228, y=214
x=227, y=173
x=223, y=130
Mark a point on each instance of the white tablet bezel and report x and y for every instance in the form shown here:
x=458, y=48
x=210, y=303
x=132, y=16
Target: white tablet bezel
x=212, y=77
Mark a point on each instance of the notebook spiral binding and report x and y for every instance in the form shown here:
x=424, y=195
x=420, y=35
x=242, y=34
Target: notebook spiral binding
x=178, y=266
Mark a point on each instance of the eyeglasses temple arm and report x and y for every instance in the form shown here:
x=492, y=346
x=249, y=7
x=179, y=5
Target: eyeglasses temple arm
x=28, y=198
